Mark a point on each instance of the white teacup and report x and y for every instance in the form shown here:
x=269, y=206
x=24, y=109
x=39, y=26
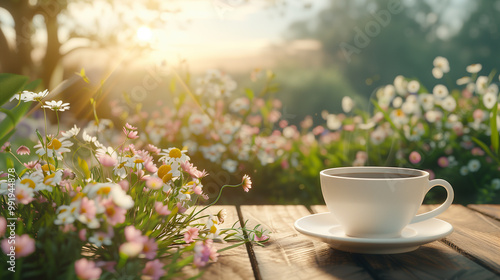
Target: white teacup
x=378, y=202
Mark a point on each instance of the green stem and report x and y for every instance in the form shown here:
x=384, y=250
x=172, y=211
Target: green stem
x=218, y=197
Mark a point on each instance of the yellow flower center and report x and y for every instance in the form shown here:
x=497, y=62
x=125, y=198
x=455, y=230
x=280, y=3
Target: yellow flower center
x=30, y=183
x=213, y=229
x=138, y=160
x=110, y=211
x=163, y=170
x=47, y=167
x=47, y=179
x=175, y=153
x=54, y=145
x=104, y=190
x=77, y=196
x=62, y=211
x=167, y=177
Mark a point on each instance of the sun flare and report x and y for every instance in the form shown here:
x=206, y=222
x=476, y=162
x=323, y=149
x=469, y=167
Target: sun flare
x=144, y=34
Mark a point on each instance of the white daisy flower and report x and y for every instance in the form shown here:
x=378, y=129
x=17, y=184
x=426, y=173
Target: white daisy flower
x=100, y=238
x=437, y=73
x=413, y=86
x=378, y=136
x=70, y=133
x=442, y=64
x=198, y=122
x=464, y=170
x=240, y=105
x=489, y=100
x=495, y=183
x=28, y=96
x=400, y=84
x=493, y=88
x=333, y=122
x=397, y=102
x=432, y=116
x=230, y=165
x=481, y=84
x=474, y=165
x=172, y=155
x=54, y=147
x=464, y=80
x=449, y=103
x=440, y=91
x=474, y=68
x=426, y=100
x=214, y=152
x=56, y=105
x=347, y=104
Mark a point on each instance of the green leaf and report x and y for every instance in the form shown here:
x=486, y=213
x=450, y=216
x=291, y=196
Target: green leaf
x=249, y=93
x=85, y=167
x=10, y=84
x=485, y=148
x=84, y=77
x=7, y=137
x=9, y=163
x=8, y=124
x=494, y=131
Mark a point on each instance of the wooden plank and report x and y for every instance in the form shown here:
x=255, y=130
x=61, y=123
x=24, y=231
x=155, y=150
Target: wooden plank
x=292, y=255
x=491, y=210
x=231, y=264
x=434, y=260
x=475, y=235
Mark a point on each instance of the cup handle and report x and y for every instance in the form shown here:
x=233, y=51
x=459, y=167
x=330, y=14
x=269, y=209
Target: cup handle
x=442, y=207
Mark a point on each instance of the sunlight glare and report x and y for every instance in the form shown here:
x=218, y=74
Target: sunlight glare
x=144, y=34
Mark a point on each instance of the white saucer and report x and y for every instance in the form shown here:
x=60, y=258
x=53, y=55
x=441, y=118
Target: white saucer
x=324, y=227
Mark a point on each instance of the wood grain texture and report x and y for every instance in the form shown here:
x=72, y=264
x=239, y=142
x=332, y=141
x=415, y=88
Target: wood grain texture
x=292, y=255
x=487, y=209
x=232, y=264
x=475, y=235
x=431, y=261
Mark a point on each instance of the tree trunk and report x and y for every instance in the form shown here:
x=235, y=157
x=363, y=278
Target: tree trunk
x=52, y=55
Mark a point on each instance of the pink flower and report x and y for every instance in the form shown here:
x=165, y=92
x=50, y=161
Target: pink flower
x=82, y=234
x=24, y=195
x=87, y=270
x=149, y=248
x=129, y=127
x=162, y=209
x=107, y=160
x=108, y=266
x=349, y=127
x=262, y=237
x=191, y=234
x=124, y=184
x=182, y=209
x=114, y=214
x=130, y=134
x=150, y=166
x=318, y=130
x=415, y=157
x=154, y=149
x=443, y=162
x=246, y=183
x=3, y=226
x=88, y=208
x=203, y=252
x=134, y=235
x=5, y=147
x=478, y=114
x=192, y=170
x=31, y=164
x=23, y=247
x=154, y=182
x=23, y=150
x=154, y=269
x=477, y=151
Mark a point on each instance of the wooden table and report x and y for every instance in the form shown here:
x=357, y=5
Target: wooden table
x=472, y=251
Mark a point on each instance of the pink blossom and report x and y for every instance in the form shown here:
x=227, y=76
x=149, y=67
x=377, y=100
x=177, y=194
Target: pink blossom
x=88, y=208
x=154, y=269
x=108, y=266
x=107, y=160
x=262, y=237
x=149, y=248
x=476, y=151
x=134, y=235
x=24, y=195
x=150, y=166
x=415, y=157
x=431, y=174
x=87, y=270
x=318, y=130
x=162, y=209
x=154, y=182
x=23, y=150
x=197, y=190
x=5, y=147
x=443, y=162
x=203, y=252
x=124, y=184
x=285, y=164
x=82, y=234
x=154, y=149
x=191, y=234
x=23, y=247
x=114, y=214
x=283, y=123
x=349, y=127
x=277, y=103
x=192, y=170
x=68, y=174
x=478, y=114
x=129, y=127
x=361, y=155
x=68, y=228
x=3, y=226
x=274, y=116
x=130, y=134
x=181, y=208
x=246, y=183
x=254, y=120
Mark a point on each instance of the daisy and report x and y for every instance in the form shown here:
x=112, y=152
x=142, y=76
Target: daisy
x=397, y=102
x=481, y=84
x=426, y=100
x=23, y=150
x=474, y=68
x=333, y=122
x=474, y=165
x=100, y=238
x=495, y=184
x=415, y=157
x=442, y=64
x=70, y=133
x=87, y=270
x=54, y=148
x=198, y=122
x=24, y=194
x=464, y=170
x=172, y=155
x=87, y=138
x=413, y=86
x=440, y=91
x=449, y=104
x=240, y=105
x=347, y=104
x=246, y=183
x=377, y=136
x=432, y=116
x=463, y=81
x=490, y=100
x=28, y=96
x=56, y=105
x=230, y=165
x=400, y=84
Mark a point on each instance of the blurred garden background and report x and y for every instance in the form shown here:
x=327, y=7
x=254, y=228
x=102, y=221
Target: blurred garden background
x=276, y=89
